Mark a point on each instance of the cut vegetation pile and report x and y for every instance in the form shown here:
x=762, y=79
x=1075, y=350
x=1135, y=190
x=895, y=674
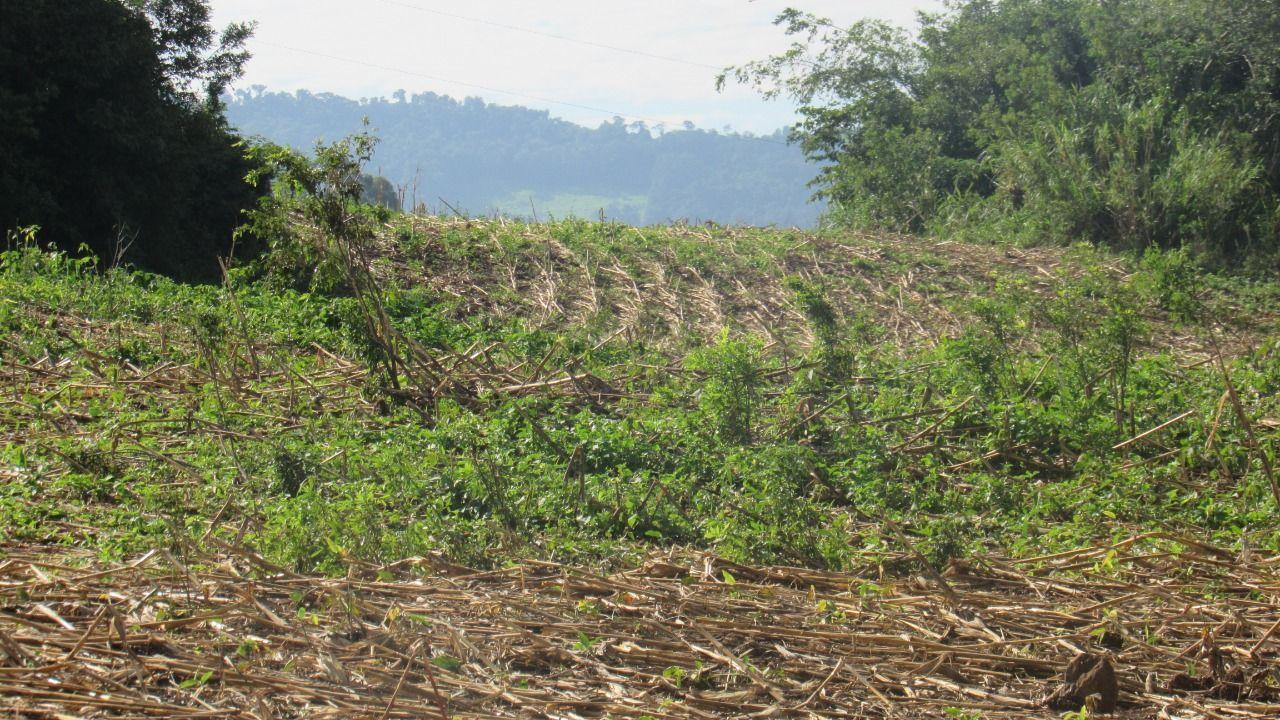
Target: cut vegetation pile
x=680, y=636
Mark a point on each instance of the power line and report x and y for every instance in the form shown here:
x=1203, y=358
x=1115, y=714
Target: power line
x=487, y=88
x=554, y=36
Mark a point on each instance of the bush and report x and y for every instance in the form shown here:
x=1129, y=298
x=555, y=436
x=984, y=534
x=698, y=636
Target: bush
x=731, y=391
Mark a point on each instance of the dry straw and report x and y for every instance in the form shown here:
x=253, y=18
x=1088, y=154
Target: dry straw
x=1189, y=629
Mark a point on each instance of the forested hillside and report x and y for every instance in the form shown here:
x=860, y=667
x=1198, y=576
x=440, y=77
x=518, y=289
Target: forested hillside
x=480, y=157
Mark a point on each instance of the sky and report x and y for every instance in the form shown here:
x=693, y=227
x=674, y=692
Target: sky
x=659, y=65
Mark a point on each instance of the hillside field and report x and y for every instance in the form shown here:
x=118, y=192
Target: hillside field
x=584, y=469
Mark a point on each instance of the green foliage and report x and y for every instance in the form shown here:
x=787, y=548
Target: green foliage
x=1135, y=124
x=106, y=144
x=817, y=310
x=331, y=252
x=159, y=412
x=197, y=62
x=1176, y=283
x=960, y=714
x=731, y=392
x=1134, y=176
x=327, y=190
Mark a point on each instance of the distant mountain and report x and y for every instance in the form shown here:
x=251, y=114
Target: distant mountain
x=482, y=158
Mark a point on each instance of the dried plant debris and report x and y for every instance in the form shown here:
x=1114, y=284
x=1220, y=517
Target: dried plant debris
x=1089, y=680
x=186, y=635
x=665, y=284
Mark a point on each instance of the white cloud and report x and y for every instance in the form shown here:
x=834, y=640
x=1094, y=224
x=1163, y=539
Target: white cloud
x=396, y=37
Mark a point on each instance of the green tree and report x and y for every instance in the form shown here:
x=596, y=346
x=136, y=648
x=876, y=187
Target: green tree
x=111, y=133
x=193, y=57
x=1134, y=123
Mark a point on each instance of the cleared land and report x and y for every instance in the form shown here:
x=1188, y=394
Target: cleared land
x=956, y=469
x=680, y=636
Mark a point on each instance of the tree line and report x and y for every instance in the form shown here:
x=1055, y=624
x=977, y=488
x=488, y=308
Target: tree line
x=1129, y=123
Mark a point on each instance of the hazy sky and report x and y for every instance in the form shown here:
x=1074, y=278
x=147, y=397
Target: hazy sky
x=473, y=48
